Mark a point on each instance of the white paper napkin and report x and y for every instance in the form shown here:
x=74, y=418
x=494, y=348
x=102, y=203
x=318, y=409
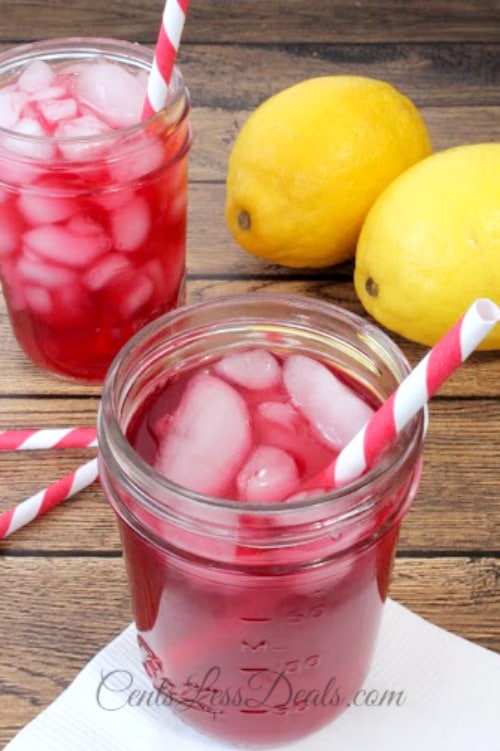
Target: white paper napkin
x=451, y=693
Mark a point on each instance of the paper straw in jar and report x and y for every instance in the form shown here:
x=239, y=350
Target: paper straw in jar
x=47, y=438
x=169, y=37
x=44, y=500
x=410, y=396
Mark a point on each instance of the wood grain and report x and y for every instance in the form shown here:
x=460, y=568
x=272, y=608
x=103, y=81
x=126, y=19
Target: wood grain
x=460, y=74
x=67, y=609
x=259, y=21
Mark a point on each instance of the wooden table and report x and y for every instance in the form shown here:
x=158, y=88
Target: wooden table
x=63, y=592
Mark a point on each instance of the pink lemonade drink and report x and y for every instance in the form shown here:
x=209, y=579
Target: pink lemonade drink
x=92, y=201
x=257, y=605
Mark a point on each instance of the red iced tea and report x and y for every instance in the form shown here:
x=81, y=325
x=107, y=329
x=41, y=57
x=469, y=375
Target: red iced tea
x=257, y=616
x=92, y=203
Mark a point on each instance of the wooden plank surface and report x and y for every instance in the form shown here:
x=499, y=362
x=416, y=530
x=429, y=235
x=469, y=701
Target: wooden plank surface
x=63, y=591
x=431, y=74
x=261, y=21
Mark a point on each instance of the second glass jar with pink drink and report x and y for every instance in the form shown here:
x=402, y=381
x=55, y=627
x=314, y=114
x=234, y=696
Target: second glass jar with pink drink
x=257, y=605
x=92, y=200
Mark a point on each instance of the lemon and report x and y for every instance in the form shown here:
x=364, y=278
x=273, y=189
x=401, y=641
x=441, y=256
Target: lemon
x=431, y=244
x=310, y=161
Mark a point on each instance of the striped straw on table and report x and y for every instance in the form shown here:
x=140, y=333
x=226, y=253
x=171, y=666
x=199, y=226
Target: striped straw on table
x=47, y=438
x=44, y=500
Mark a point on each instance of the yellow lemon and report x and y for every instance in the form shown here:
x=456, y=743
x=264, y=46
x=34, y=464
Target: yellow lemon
x=309, y=163
x=431, y=244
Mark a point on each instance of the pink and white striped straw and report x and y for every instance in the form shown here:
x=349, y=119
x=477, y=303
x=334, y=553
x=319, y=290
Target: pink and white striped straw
x=174, y=16
x=411, y=395
x=44, y=500
x=47, y=438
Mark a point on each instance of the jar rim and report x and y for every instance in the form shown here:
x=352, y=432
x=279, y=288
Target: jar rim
x=80, y=47
x=145, y=476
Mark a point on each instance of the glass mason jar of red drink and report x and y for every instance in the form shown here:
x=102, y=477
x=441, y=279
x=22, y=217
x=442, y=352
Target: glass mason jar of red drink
x=256, y=621
x=92, y=200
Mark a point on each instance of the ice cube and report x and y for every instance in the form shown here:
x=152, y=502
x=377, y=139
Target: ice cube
x=131, y=224
x=105, y=270
x=45, y=209
x=134, y=291
x=67, y=82
x=36, y=76
x=334, y=411
x=114, y=199
x=16, y=172
x=59, y=245
x=279, y=413
x=269, y=475
x=111, y=91
x=207, y=439
x=9, y=231
x=11, y=105
x=68, y=307
x=82, y=127
x=165, y=278
x=80, y=224
x=43, y=274
x=53, y=92
x=279, y=424
x=253, y=369
x=29, y=126
x=140, y=156
x=55, y=110
x=39, y=147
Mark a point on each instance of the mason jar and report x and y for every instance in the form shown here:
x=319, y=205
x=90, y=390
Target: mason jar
x=92, y=208
x=256, y=622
